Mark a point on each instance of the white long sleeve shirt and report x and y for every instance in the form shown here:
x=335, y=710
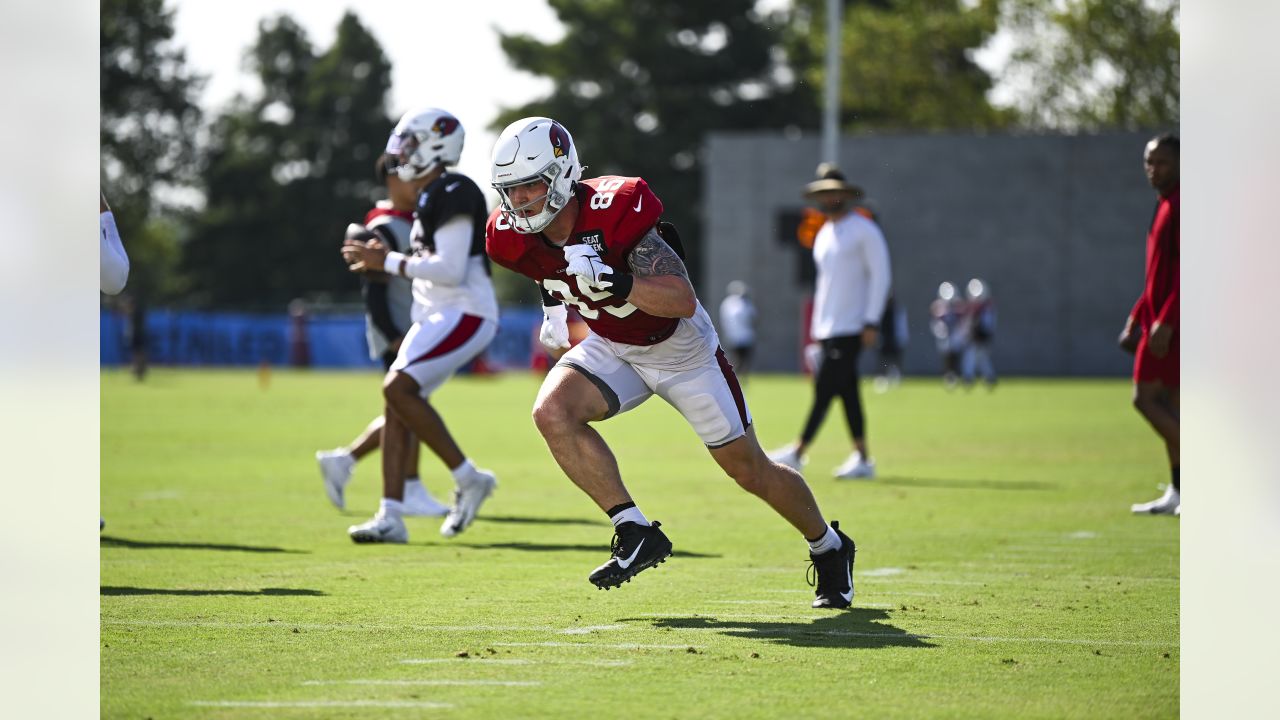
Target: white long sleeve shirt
x=853, y=277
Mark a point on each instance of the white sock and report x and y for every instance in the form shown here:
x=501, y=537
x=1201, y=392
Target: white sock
x=631, y=515
x=411, y=480
x=393, y=508
x=463, y=471
x=828, y=542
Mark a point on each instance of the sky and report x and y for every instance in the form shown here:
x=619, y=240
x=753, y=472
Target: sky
x=443, y=54
x=474, y=82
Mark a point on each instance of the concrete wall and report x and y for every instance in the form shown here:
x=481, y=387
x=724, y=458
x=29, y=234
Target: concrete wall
x=1055, y=224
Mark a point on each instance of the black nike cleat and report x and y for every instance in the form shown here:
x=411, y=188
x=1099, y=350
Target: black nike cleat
x=834, y=573
x=635, y=548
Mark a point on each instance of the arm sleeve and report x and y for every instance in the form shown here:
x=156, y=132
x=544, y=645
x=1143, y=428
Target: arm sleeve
x=876, y=255
x=448, y=264
x=115, y=262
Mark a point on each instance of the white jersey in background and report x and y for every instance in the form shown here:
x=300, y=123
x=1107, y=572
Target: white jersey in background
x=448, y=266
x=737, y=321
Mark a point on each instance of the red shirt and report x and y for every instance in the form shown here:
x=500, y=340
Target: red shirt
x=614, y=213
x=1159, y=300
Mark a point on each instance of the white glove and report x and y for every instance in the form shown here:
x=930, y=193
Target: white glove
x=586, y=264
x=554, y=334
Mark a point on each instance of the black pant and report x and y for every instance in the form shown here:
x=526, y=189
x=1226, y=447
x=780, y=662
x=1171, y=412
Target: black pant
x=837, y=376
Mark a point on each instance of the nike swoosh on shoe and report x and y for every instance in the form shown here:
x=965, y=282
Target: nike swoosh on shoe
x=624, y=564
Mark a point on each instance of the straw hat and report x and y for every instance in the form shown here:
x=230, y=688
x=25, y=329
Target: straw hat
x=830, y=178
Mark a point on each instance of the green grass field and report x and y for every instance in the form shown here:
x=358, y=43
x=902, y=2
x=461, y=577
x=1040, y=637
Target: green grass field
x=999, y=571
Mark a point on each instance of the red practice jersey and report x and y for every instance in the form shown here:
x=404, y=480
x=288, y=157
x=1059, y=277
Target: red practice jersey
x=1159, y=300
x=614, y=213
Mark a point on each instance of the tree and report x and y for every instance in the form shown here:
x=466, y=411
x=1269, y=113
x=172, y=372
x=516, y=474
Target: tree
x=640, y=84
x=148, y=125
x=286, y=171
x=905, y=64
x=1090, y=64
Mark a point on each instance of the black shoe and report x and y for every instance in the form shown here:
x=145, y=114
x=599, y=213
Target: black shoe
x=834, y=573
x=635, y=548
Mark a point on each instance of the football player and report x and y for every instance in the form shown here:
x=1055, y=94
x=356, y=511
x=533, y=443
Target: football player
x=596, y=245
x=388, y=311
x=1151, y=330
x=455, y=316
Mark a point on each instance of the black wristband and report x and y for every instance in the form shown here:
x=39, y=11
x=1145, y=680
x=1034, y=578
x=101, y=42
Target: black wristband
x=621, y=286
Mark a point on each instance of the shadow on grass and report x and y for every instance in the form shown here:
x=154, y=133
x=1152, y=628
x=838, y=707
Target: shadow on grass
x=109, y=541
x=116, y=590
x=549, y=547
x=965, y=484
x=517, y=519
x=855, y=628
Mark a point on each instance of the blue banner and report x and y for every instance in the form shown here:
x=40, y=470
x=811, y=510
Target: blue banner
x=243, y=339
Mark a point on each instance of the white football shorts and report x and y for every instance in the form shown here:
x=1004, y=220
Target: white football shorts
x=442, y=342
x=688, y=370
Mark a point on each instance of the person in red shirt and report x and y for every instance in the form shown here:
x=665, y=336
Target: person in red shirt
x=1151, y=332
x=599, y=246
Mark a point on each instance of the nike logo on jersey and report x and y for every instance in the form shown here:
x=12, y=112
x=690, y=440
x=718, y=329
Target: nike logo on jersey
x=451, y=188
x=639, y=201
x=624, y=564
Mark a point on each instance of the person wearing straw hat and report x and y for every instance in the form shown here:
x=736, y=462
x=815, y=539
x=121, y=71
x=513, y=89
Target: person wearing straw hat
x=852, y=261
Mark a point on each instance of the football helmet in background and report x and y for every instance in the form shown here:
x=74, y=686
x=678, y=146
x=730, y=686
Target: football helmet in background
x=424, y=140
x=530, y=149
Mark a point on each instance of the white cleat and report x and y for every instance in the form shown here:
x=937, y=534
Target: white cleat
x=856, y=468
x=467, y=499
x=1168, y=504
x=383, y=528
x=336, y=467
x=788, y=456
x=419, y=502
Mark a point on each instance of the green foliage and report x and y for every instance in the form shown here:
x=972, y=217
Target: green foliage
x=640, y=84
x=905, y=64
x=286, y=171
x=999, y=572
x=148, y=126
x=1092, y=64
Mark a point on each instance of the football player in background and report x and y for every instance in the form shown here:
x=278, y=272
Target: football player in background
x=738, y=323
x=455, y=316
x=388, y=304
x=1151, y=330
x=980, y=314
x=595, y=244
x=946, y=321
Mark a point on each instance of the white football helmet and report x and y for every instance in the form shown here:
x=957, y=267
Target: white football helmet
x=535, y=149
x=424, y=140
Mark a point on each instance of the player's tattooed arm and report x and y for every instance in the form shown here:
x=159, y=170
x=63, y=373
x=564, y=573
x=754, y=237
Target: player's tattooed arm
x=653, y=256
x=661, y=281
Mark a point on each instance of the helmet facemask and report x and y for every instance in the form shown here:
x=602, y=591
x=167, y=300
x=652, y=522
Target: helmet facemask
x=555, y=198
